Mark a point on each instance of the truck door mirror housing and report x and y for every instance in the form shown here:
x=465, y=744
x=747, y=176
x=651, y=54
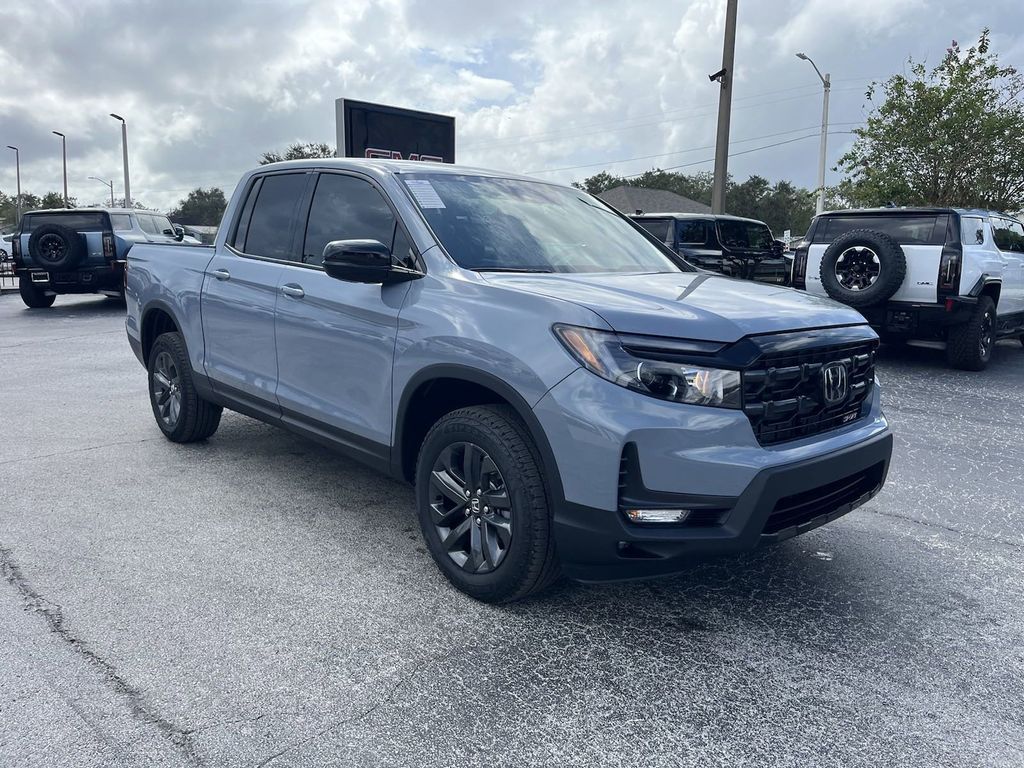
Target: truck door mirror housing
x=364, y=261
x=179, y=233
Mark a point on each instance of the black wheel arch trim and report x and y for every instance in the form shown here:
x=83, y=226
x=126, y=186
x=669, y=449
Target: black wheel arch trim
x=983, y=282
x=482, y=378
x=159, y=304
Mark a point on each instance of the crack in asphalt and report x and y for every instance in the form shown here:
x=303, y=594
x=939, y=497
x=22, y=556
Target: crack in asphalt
x=387, y=699
x=86, y=449
x=53, y=614
x=951, y=529
x=37, y=342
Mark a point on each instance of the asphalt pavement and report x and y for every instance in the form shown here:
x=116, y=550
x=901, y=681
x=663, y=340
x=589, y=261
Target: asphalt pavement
x=259, y=601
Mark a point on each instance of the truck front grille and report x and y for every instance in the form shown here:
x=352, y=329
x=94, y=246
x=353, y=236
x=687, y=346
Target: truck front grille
x=784, y=393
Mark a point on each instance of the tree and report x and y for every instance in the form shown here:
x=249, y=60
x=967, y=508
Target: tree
x=952, y=135
x=54, y=200
x=782, y=205
x=299, y=151
x=201, y=206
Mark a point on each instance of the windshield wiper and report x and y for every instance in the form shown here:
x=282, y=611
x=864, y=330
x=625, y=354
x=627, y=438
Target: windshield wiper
x=542, y=270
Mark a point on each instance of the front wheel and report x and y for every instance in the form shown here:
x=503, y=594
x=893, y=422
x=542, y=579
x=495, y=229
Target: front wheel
x=33, y=297
x=482, y=505
x=969, y=346
x=182, y=415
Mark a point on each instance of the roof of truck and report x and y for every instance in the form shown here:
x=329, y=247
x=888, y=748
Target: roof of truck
x=93, y=210
x=396, y=166
x=915, y=211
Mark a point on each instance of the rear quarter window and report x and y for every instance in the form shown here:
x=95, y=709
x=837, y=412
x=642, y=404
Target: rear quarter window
x=927, y=229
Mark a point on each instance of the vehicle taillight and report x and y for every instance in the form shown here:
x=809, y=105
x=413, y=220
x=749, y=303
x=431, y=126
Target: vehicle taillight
x=951, y=263
x=16, y=247
x=108, y=245
x=800, y=266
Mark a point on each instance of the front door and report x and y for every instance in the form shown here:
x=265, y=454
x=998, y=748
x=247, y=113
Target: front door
x=335, y=339
x=1009, y=238
x=240, y=292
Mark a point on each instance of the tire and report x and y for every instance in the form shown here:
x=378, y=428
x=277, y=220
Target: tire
x=56, y=248
x=182, y=415
x=969, y=346
x=518, y=564
x=862, y=268
x=33, y=297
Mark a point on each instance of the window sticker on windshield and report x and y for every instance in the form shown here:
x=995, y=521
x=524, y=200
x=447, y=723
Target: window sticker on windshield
x=424, y=193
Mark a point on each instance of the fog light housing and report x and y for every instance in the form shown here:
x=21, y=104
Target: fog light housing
x=657, y=515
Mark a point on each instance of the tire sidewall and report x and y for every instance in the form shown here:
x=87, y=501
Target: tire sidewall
x=892, y=268
x=174, y=346
x=513, y=568
x=33, y=297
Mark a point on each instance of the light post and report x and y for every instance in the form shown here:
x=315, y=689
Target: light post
x=725, y=80
x=124, y=152
x=64, y=154
x=106, y=184
x=827, y=84
x=17, y=172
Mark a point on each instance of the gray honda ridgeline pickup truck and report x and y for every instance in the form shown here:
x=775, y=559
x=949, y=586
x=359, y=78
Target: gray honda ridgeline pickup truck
x=567, y=394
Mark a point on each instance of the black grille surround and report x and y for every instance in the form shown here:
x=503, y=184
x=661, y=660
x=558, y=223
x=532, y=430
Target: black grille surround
x=784, y=392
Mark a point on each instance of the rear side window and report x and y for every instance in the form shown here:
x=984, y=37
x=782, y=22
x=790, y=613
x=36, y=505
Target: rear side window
x=273, y=216
x=80, y=221
x=693, y=232
x=122, y=222
x=1008, y=234
x=345, y=208
x=657, y=227
x=929, y=229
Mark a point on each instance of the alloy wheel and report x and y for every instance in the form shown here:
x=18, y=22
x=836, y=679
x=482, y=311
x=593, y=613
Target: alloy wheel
x=987, y=335
x=51, y=247
x=857, y=268
x=167, y=389
x=470, y=507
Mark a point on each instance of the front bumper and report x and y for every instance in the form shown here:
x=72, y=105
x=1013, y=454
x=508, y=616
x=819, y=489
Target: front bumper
x=782, y=502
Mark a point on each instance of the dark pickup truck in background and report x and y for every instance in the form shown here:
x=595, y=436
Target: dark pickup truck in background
x=729, y=245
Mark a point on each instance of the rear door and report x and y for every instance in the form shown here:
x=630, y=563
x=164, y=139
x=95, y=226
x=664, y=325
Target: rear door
x=336, y=339
x=921, y=235
x=240, y=290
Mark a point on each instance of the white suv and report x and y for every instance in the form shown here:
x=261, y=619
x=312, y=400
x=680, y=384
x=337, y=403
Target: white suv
x=951, y=274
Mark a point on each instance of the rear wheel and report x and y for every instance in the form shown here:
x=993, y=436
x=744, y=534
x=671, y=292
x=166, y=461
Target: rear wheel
x=969, y=346
x=483, y=507
x=182, y=415
x=34, y=297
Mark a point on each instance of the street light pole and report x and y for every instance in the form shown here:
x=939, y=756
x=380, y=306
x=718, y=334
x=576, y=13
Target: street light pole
x=17, y=172
x=64, y=154
x=106, y=183
x=124, y=152
x=724, y=77
x=826, y=82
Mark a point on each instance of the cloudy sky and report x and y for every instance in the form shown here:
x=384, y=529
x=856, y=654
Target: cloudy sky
x=562, y=90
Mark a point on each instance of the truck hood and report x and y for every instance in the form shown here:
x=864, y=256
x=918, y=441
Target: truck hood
x=686, y=305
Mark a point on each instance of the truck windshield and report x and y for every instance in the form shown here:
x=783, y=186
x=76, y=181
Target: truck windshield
x=744, y=234
x=487, y=223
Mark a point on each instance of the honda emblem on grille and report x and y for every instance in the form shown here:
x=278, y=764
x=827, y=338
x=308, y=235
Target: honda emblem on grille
x=834, y=383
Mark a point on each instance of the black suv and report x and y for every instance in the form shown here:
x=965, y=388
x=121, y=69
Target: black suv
x=731, y=245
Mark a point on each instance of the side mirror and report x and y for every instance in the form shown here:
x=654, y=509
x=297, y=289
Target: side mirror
x=179, y=233
x=364, y=261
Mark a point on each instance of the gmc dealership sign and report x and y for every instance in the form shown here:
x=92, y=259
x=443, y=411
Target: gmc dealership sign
x=376, y=130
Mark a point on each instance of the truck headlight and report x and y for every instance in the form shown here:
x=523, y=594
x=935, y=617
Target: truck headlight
x=602, y=353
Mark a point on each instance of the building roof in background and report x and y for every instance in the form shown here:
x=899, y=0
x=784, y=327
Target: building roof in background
x=632, y=199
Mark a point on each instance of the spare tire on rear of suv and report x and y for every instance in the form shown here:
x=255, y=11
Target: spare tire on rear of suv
x=863, y=267
x=56, y=248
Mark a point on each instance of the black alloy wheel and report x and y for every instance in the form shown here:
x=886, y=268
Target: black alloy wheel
x=52, y=248
x=857, y=268
x=167, y=390
x=470, y=507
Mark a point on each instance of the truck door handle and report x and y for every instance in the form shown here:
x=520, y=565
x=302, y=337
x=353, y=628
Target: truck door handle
x=293, y=290
x=221, y=274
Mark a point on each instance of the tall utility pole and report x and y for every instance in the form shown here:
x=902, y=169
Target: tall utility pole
x=64, y=154
x=724, y=77
x=826, y=82
x=17, y=172
x=106, y=183
x=124, y=152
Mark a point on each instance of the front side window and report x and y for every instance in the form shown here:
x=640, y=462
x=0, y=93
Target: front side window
x=270, y=228
x=736, y=233
x=345, y=208
x=498, y=224
x=1008, y=234
x=693, y=232
x=148, y=224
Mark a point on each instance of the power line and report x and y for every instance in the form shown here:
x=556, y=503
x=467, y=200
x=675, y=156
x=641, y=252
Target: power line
x=682, y=151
